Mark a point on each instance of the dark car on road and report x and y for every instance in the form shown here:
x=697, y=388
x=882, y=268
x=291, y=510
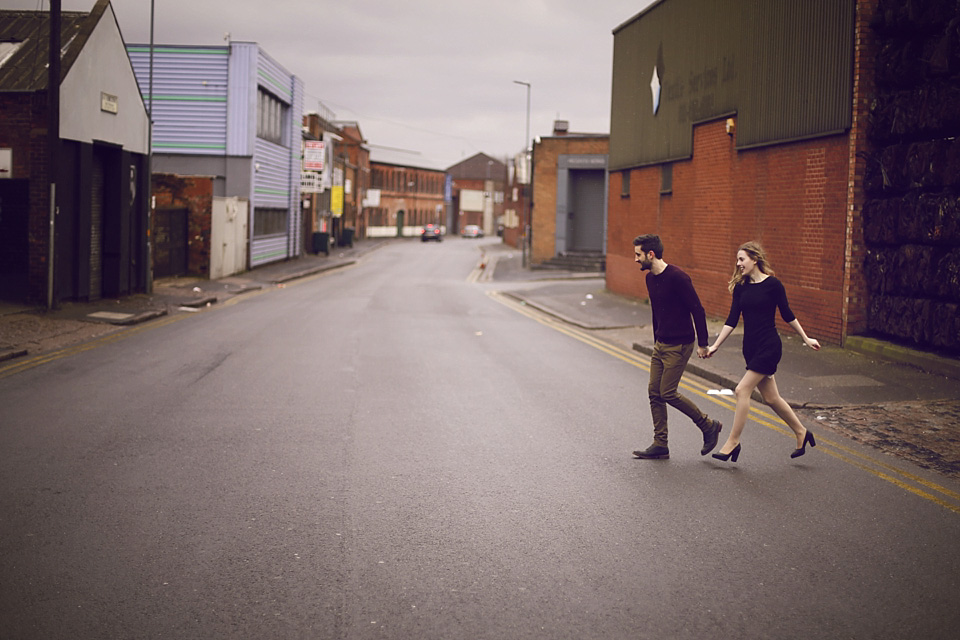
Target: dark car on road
x=431, y=232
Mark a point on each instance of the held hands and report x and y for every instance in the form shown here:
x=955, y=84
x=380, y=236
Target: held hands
x=706, y=352
x=813, y=344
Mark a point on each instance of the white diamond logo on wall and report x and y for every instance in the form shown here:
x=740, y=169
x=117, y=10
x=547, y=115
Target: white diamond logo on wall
x=655, y=90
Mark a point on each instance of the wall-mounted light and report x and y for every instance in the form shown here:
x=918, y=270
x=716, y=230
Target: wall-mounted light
x=731, y=126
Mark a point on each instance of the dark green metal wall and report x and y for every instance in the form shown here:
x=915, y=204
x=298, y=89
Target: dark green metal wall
x=783, y=67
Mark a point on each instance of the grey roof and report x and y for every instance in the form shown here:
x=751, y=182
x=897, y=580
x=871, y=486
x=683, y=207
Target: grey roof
x=26, y=70
x=402, y=158
x=478, y=167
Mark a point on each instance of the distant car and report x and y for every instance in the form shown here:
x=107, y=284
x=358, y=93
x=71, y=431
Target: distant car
x=471, y=231
x=431, y=232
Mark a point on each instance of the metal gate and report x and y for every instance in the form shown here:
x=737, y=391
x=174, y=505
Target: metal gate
x=169, y=243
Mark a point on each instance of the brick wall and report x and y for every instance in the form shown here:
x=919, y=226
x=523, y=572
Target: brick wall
x=792, y=198
x=854, y=313
x=546, y=155
x=194, y=193
x=416, y=192
x=23, y=128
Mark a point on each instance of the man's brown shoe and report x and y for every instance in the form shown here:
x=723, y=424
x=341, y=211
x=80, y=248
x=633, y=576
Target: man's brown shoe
x=654, y=452
x=710, y=436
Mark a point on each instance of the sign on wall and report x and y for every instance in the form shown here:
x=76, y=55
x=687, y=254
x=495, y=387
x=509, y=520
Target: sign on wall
x=372, y=198
x=6, y=163
x=336, y=201
x=471, y=200
x=313, y=156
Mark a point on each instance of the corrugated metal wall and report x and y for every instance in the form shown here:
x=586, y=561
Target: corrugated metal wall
x=189, y=97
x=205, y=103
x=784, y=68
x=276, y=180
x=242, y=102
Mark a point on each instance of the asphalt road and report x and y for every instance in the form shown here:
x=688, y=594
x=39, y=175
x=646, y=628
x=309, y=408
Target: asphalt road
x=394, y=451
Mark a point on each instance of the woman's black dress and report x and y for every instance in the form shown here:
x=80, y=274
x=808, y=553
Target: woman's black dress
x=758, y=304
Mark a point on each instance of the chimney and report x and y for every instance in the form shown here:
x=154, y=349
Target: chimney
x=560, y=127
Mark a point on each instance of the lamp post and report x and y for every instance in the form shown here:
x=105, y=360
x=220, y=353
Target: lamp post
x=526, y=172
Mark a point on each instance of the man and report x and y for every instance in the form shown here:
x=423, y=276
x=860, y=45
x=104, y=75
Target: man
x=674, y=302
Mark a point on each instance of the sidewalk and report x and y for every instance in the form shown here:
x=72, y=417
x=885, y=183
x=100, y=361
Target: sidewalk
x=898, y=399
x=27, y=330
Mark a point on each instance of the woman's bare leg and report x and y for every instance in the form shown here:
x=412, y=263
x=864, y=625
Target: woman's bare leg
x=743, y=391
x=771, y=395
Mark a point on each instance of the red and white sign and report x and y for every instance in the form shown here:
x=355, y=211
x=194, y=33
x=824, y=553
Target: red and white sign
x=313, y=156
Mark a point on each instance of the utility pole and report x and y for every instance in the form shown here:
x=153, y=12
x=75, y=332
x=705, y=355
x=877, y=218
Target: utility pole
x=527, y=191
x=149, y=274
x=53, y=135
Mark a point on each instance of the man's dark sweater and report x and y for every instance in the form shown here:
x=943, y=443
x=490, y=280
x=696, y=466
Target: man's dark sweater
x=674, y=300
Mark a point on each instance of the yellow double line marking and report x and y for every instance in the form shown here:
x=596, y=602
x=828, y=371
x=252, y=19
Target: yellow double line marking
x=121, y=334
x=762, y=415
x=125, y=332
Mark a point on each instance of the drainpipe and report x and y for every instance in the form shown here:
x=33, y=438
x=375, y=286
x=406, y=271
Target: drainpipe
x=53, y=135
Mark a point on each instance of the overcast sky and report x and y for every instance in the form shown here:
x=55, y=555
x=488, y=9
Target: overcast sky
x=430, y=76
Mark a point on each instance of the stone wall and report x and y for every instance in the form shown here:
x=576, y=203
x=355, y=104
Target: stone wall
x=911, y=216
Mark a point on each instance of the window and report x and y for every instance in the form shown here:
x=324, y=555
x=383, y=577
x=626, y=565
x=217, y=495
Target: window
x=625, y=183
x=269, y=222
x=666, y=178
x=271, y=114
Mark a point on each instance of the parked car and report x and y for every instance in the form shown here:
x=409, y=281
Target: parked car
x=471, y=231
x=431, y=232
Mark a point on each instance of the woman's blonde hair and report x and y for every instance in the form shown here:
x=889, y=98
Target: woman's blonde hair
x=756, y=253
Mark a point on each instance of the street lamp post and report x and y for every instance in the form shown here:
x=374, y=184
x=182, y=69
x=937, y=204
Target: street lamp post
x=526, y=171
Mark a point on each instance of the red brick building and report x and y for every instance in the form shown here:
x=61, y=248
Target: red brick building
x=568, y=208
x=757, y=134
x=478, y=193
x=405, y=193
x=97, y=169
x=356, y=157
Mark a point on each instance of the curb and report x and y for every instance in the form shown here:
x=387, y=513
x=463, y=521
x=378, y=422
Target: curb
x=197, y=303
x=142, y=317
x=560, y=316
x=10, y=354
x=904, y=355
x=309, y=272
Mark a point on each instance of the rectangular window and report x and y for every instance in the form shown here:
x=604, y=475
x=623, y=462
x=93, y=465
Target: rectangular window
x=666, y=178
x=269, y=222
x=271, y=114
x=625, y=183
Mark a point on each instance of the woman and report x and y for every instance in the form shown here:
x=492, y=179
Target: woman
x=757, y=295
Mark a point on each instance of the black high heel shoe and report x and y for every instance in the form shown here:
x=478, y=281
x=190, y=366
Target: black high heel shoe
x=727, y=456
x=806, y=439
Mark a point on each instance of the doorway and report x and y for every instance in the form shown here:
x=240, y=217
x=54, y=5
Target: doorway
x=170, y=243
x=585, y=222
x=14, y=235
